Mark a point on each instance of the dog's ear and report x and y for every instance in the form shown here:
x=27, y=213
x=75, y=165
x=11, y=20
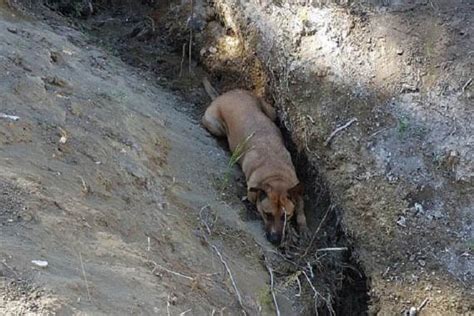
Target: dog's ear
x=296, y=191
x=254, y=194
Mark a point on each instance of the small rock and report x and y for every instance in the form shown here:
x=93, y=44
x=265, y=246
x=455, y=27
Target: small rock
x=402, y=221
x=400, y=52
x=40, y=263
x=12, y=30
x=422, y=262
x=212, y=50
x=438, y=215
x=10, y=117
x=418, y=208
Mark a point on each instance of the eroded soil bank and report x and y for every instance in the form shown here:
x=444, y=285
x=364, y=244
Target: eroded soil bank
x=401, y=73
x=109, y=177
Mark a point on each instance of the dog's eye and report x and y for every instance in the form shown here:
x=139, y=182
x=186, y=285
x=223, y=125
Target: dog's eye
x=262, y=195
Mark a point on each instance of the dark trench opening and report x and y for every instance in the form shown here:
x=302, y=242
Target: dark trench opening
x=346, y=278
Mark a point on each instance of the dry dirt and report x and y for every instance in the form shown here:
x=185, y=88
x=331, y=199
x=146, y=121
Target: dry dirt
x=404, y=172
x=103, y=178
x=106, y=171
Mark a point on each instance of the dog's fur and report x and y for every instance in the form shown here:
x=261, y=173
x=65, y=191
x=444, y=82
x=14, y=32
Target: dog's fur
x=272, y=183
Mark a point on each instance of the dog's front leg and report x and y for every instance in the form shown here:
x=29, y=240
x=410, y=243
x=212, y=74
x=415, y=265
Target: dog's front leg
x=301, y=218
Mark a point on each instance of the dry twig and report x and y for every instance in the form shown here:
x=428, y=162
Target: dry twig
x=185, y=312
x=85, y=278
x=317, y=230
x=338, y=130
x=168, y=305
x=284, y=228
x=10, y=117
x=466, y=84
x=170, y=271
x=204, y=222
x=333, y=249
x=226, y=265
x=182, y=61
x=272, y=286
x=190, y=48
x=229, y=272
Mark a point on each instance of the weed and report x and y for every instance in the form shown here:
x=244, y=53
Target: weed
x=402, y=125
x=239, y=151
x=264, y=297
x=470, y=245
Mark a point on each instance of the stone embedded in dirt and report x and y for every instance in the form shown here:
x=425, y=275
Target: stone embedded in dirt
x=40, y=263
x=437, y=215
x=10, y=117
x=212, y=50
x=419, y=208
x=402, y=221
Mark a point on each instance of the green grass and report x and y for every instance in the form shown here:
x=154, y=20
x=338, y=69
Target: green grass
x=403, y=125
x=239, y=151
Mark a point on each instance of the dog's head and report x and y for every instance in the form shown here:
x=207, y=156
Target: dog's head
x=274, y=205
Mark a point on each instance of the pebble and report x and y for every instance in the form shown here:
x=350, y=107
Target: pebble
x=40, y=263
x=402, y=221
x=212, y=50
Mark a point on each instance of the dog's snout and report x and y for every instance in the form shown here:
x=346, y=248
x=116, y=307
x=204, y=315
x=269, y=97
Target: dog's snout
x=274, y=238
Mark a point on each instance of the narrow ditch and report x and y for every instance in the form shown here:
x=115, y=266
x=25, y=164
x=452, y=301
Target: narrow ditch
x=340, y=270
x=335, y=275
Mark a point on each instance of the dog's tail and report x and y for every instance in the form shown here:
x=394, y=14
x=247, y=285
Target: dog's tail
x=213, y=94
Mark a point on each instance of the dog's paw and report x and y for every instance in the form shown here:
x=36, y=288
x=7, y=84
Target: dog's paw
x=304, y=232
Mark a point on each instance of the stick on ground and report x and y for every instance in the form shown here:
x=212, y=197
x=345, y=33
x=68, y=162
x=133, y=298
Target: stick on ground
x=234, y=285
x=170, y=271
x=272, y=287
x=85, y=277
x=338, y=130
x=317, y=231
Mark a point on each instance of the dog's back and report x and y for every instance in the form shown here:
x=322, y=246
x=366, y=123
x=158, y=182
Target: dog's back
x=272, y=184
x=246, y=118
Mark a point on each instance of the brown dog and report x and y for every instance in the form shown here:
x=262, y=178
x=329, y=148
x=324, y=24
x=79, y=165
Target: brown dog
x=248, y=123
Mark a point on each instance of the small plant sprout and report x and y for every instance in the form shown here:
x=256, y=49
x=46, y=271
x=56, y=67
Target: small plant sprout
x=238, y=152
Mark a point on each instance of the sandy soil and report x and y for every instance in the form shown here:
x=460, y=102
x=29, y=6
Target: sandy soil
x=104, y=179
x=108, y=176
x=403, y=172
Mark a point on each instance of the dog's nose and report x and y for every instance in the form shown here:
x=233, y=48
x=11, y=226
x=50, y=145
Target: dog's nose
x=274, y=238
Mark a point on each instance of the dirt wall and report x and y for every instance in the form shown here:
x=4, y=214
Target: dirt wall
x=403, y=170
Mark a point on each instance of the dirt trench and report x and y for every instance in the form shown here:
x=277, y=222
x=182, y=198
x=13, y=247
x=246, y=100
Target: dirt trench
x=228, y=46
x=109, y=180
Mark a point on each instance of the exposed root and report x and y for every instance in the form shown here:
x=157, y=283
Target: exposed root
x=229, y=272
x=182, y=61
x=317, y=231
x=338, y=130
x=221, y=258
x=168, y=304
x=272, y=286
